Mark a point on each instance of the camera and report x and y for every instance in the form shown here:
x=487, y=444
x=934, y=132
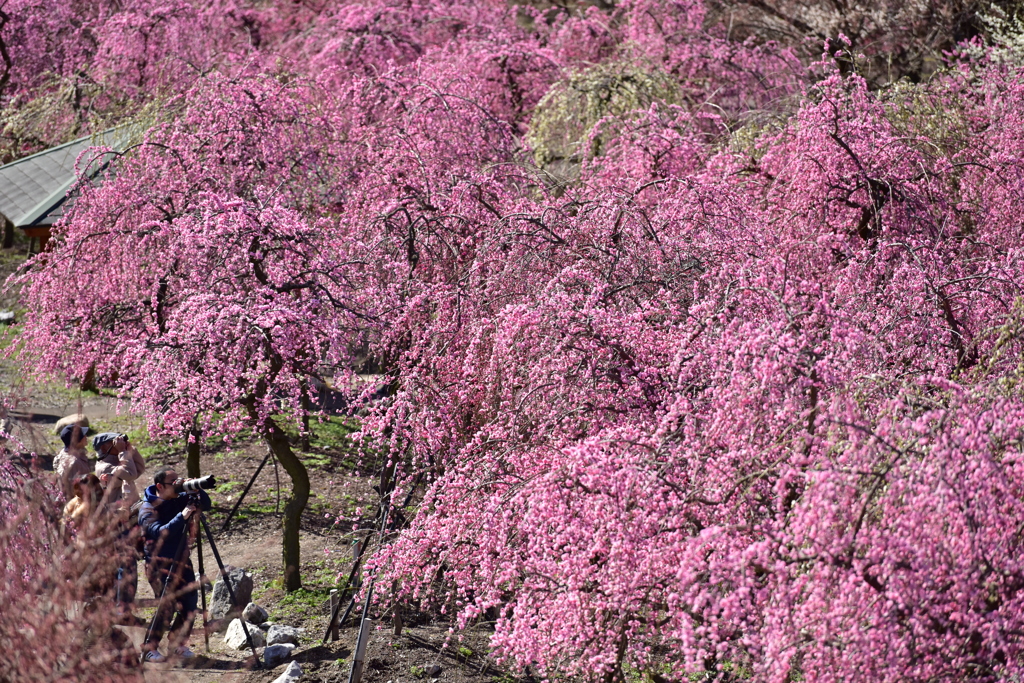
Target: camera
x=194, y=485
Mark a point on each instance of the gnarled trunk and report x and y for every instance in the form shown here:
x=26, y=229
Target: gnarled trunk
x=277, y=440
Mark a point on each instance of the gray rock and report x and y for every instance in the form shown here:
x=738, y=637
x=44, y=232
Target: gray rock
x=265, y=626
x=433, y=670
x=254, y=614
x=279, y=633
x=220, y=604
x=6, y=317
x=77, y=418
x=291, y=674
x=275, y=654
x=235, y=637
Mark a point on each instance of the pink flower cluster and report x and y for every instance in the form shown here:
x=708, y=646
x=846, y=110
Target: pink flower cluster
x=727, y=403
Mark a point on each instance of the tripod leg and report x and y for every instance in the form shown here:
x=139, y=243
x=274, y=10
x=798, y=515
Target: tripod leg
x=182, y=544
x=202, y=589
x=227, y=584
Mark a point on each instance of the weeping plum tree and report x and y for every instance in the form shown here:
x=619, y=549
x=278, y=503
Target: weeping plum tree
x=197, y=284
x=741, y=399
x=758, y=414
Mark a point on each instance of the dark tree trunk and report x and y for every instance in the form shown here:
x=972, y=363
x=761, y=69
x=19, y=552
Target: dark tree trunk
x=277, y=440
x=8, y=234
x=192, y=450
x=89, y=381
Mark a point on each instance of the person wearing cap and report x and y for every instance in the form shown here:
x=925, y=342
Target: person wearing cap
x=118, y=465
x=72, y=461
x=167, y=520
x=121, y=462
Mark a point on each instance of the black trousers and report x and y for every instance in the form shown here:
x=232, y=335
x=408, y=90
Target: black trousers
x=179, y=601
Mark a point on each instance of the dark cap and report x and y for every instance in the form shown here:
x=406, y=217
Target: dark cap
x=68, y=430
x=103, y=438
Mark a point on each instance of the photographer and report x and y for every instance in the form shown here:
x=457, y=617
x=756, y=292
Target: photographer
x=166, y=519
x=119, y=459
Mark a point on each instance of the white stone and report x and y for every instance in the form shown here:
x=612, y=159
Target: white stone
x=291, y=674
x=76, y=418
x=235, y=636
x=278, y=633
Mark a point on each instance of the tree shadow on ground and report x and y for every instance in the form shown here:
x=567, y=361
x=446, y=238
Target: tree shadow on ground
x=322, y=653
x=212, y=663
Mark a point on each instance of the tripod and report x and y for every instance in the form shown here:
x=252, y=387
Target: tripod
x=174, y=576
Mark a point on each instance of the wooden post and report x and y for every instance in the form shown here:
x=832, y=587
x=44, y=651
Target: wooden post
x=357, y=551
x=356, y=674
x=335, y=598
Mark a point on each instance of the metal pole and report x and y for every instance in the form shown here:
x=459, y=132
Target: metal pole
x=227, y=584
x=356, y=674
x=234, y=509
x=202, y=589
x=397, y=618
x=277, y=484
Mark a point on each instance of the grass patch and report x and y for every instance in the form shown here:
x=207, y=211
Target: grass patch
x=334, y=434
x=303, y=604
x=228, y=486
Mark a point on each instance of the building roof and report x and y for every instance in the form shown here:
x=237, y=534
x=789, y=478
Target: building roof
x=34, y=190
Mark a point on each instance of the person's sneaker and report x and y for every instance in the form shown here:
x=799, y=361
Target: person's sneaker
x=184, y=653
x=154, y=657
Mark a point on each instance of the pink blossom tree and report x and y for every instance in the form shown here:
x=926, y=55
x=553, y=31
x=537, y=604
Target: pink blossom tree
x=738, y=394
x=197, y=281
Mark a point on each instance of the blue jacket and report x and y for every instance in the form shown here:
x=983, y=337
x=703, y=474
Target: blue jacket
x=162, y=523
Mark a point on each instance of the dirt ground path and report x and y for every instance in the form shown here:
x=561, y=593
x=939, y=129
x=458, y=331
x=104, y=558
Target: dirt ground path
x=222, y=663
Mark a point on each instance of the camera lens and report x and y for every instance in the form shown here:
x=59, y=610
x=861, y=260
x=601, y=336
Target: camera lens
x=194, y=485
